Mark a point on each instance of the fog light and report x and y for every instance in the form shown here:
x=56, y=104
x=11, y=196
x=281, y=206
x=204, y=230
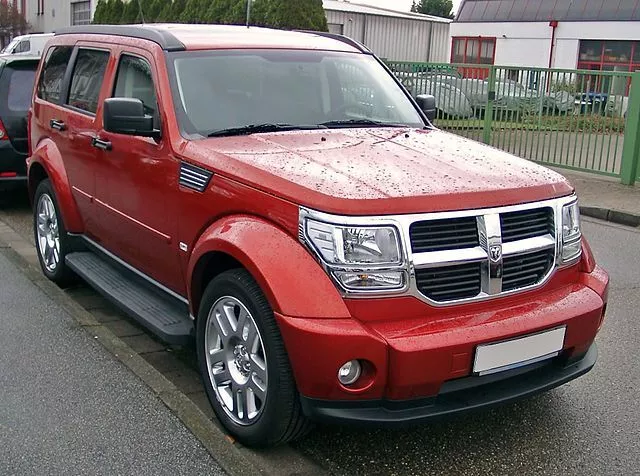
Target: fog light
x=349, y=372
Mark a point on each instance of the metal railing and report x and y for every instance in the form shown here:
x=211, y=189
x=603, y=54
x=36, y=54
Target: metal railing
x=577, y=119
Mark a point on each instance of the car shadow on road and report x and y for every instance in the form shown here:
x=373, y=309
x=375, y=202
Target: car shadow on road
x=496, y=441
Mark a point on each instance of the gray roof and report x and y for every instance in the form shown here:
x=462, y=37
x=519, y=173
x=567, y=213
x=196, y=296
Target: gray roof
x=545, y=10
x=354, y=7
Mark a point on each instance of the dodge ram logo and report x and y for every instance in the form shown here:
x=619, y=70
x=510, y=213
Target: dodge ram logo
x=495, y=253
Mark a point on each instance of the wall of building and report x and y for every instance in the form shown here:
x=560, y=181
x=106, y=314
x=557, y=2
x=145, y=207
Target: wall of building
x=397, y=39
x=528, y=44
x=55, y=15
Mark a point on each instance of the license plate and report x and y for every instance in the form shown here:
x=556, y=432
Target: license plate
x=500, y=356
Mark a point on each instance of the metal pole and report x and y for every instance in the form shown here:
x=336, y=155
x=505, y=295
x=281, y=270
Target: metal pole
x=248, y=12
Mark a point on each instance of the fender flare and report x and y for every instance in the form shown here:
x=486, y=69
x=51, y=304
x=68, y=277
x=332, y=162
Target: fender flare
x=293, y=282
x=46, y=155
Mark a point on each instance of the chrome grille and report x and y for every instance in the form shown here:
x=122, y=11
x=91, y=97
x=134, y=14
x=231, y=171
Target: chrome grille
x=193, y=177
x=524, y=224
x=439, y=235
x=465, y=257
x=525, y=270
x=449, y=283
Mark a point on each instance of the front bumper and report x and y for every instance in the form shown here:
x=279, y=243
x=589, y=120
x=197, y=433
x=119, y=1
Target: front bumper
x=421, y=358
x=456, y=396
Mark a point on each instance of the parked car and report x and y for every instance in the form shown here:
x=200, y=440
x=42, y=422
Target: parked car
x=17, y=75
x=281, y=198
x=27, y=45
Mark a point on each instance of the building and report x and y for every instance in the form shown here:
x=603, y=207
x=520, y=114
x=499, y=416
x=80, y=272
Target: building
x=599, y=35
x=398, y=36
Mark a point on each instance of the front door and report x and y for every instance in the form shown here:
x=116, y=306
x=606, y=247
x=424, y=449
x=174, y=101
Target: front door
x=136, y=181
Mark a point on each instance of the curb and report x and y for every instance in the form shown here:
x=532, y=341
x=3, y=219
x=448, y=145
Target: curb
x=614, y=216
x=233, y=458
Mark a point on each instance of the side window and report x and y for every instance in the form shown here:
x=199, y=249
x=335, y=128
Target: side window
x=23, y=47
x=50, y=84
x=134, y=80
x=87, y=78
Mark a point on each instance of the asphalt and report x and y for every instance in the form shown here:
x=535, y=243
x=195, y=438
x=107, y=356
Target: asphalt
x=69, y=407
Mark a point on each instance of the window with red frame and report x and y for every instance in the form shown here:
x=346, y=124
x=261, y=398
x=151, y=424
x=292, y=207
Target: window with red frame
x=606, y=55
x=473, y=50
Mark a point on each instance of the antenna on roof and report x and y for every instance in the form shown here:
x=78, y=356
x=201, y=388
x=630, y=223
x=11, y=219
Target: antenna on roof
x=140, y=10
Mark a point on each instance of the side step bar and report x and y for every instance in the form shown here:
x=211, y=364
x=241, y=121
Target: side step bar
x=165, y=316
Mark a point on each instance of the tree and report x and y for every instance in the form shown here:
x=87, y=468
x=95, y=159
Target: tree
x=195, y=11
x=151, y=9
x=113, y=15
x=230, y=12
x=177, y=8
x=12, y=22
x=165, y=13
x=100, y=15
x=438, y=8
x=130, y=13
x=298, y=15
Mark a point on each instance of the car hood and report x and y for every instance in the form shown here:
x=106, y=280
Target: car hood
x=379, y=170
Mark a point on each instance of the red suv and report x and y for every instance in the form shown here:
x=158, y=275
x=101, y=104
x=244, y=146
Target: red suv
x=280, y=197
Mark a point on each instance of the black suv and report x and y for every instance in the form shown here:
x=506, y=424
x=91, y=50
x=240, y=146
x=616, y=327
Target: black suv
x=17, y=76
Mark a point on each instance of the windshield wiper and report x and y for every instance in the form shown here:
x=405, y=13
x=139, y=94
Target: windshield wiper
x=361, y=123
x=261, y=128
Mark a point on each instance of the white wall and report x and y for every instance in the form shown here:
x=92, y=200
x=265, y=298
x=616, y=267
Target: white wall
x=57, y=14
x=528, y=44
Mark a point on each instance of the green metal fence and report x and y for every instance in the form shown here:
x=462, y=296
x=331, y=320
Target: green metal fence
x=577, y=119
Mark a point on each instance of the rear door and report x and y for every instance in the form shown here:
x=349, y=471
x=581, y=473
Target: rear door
x=16, y=88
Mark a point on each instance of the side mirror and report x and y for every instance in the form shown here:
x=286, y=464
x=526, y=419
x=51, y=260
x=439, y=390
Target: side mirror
x=428, y=105
x=126, y=116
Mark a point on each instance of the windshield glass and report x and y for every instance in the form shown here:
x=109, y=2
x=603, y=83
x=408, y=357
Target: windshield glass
x=10, y=46
x=219, y=90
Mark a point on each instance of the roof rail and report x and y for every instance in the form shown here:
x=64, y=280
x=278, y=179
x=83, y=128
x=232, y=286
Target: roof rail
x=341, y=38
x=162, y=37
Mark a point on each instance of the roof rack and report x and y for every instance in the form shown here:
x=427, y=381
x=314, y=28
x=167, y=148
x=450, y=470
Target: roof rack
x=162, y=37
x=338, y=37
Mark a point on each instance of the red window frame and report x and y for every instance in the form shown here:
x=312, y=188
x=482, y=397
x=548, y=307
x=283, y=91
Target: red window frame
x=600, y=65
x=480, y=39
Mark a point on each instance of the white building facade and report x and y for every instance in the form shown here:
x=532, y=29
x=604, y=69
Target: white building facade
x=45, y=16
x=601, y=35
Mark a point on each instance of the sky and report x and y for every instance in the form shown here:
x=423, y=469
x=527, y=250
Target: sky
x=402, y=5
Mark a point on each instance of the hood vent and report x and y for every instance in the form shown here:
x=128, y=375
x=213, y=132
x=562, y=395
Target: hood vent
x=194, y=177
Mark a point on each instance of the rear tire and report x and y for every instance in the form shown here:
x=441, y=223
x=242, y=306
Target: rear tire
x=50, y=234
x=244, y=364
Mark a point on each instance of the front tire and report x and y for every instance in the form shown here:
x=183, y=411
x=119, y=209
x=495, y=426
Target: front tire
x=244, y=365
x=52, y=241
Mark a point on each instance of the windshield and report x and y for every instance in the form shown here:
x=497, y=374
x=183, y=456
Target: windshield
x=219, y=90
x=10, y=46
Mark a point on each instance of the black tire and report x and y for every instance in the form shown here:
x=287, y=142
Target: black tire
x=281, y=419
x=61, y=274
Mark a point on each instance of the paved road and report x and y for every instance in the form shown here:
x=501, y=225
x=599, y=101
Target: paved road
x=588, y=427
x=68, y=407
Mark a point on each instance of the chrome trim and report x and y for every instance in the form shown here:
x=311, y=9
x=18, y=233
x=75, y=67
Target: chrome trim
x=139, y=273
x=490, y=235
x=193, y=177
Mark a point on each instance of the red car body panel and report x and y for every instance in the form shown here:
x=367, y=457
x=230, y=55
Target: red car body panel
x=250, y=212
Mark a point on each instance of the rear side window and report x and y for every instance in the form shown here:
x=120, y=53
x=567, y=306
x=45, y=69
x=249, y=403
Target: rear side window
x=23, y=47
x=50, y=84
x=87, y=78
x=20, y=88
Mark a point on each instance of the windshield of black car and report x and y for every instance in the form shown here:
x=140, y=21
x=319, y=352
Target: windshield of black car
x=219, y=90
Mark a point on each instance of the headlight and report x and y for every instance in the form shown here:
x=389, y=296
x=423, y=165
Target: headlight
x=360, y=258
x=354, y=245
x=571, y=235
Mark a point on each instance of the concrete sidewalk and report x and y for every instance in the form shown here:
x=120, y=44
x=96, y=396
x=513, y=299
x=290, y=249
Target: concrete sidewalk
x=606, y=198
x=67, y=406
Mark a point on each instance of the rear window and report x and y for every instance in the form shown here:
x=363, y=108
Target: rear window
x=20, y=88
x=16, y=87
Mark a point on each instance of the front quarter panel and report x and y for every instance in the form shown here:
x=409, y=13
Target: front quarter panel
x=46, y=155
x=293, y=282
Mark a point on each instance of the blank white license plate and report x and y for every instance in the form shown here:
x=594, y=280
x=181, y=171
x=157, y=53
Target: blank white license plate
x=500, y=356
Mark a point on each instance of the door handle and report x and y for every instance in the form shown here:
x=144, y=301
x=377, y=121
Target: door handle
x=57, y=125
x=101, y=144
